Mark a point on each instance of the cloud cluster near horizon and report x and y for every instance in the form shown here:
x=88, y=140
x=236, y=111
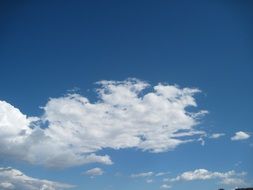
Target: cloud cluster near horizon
x=13, y=179
x=230, y=178
x=127, y=114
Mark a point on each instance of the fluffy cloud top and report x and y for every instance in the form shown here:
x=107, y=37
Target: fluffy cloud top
x=240, y=135
x=227, y=178
x=12, y=179
x=127, y=114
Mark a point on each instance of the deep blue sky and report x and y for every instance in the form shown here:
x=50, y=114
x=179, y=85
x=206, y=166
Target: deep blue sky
x=50, y=47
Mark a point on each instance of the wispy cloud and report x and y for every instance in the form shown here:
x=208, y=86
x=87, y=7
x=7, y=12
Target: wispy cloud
x=161, y=174
x=124, y=116
x=149, y=176
x=216, y=135
x=94, y=172
x=143, y=174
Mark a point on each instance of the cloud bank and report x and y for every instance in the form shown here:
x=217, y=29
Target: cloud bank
x=126, y=114
x=12, y=179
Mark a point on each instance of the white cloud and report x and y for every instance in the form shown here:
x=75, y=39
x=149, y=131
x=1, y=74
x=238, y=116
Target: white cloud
x=13, y=124
x=240, y=135
x=165, y=186
x=227, y=178
x=144, y=174
x=124, y=116
x=94, y=172
x=202, y=141
x=161, y=174
x=217, y=135
x=12, y=179
x=148, y=174
x=233, y=181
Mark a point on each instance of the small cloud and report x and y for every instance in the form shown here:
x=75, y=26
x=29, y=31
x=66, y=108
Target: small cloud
x=165, y=186
x=240, y=135
x=94, y=172
x=216, y=135
x=202, y=141
x=161, y=174
x=144, y=174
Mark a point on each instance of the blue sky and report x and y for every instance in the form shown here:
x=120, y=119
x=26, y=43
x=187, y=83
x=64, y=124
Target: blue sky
x=151, y=61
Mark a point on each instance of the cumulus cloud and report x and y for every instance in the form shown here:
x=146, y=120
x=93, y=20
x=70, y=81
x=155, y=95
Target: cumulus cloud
x=217, y=135
x=127, y=114
x=227, y=178
x=240, y=135
x=12, y=179
x=94, y=172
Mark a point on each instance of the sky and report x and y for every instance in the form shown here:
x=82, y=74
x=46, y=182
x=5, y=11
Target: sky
x=111, y=95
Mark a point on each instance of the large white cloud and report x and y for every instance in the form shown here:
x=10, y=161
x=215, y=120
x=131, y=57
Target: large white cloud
x=127, y=114
x=12, y=179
